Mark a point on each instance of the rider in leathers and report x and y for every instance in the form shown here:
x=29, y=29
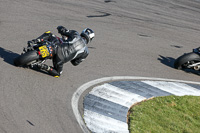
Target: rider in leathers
x=71, y=47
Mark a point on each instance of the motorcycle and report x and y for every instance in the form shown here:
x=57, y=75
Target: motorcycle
x=189, y=60
x=34, y=55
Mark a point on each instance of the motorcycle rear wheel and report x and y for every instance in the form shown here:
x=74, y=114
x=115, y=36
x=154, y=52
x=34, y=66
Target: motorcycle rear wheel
x=26, y=58
x=187, y=59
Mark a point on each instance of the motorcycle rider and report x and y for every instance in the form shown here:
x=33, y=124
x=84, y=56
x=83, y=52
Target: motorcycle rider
x=71, y=47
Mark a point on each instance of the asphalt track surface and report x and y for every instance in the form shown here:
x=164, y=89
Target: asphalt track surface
x=133, y=38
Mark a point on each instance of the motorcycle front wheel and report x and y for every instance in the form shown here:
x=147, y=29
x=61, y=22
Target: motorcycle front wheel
x=26, y=58
x=185, y=60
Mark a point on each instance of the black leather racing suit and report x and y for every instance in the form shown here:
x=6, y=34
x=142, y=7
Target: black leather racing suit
x=74, y=49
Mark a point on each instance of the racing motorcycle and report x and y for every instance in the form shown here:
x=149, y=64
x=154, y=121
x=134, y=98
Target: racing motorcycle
x=34, y=55
x=189, y=60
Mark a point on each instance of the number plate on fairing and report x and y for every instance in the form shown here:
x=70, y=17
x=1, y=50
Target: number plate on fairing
x=44, y=51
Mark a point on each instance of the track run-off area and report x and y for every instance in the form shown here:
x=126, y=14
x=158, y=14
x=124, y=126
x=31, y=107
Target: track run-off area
x=134, y=38
x=107, y=101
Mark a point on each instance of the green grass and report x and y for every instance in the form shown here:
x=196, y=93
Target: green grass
x=169, y=114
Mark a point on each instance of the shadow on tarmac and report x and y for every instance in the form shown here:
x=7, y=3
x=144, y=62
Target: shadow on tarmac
x=8, y=55
x=169, y=61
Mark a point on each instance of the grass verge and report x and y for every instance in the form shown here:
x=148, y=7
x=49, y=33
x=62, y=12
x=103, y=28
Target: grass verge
x=169, y=114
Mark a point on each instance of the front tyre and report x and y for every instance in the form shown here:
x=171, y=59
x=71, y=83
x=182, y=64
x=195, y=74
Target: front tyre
x=26, y=58
x=185, y=60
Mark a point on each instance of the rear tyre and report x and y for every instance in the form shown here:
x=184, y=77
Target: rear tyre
x=26, y=58
x=185, y=60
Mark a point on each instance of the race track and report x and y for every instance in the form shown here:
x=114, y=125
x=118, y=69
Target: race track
x=133, y=38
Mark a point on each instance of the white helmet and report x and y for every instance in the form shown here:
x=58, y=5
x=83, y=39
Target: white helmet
x=88, y=34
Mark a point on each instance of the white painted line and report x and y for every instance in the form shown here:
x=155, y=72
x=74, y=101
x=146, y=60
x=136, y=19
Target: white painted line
x=191, y=90
x=116, y=95
x=81, y=89
x=95, y=121
x=174, y=88
x=126, y=93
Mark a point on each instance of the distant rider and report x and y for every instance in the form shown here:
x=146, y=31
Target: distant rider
x=71, y=47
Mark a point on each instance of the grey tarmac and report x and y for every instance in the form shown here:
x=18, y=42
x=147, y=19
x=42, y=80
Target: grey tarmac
x=133, y=38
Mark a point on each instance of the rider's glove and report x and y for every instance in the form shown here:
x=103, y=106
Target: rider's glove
x=62, y=30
